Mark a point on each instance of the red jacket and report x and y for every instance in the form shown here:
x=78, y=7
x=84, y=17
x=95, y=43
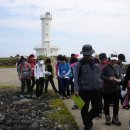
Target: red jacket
x=32, y=62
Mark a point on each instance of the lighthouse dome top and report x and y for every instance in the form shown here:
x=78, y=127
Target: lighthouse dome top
x=47, y=14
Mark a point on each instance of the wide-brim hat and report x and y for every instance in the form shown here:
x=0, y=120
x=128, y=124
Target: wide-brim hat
x=87, y=50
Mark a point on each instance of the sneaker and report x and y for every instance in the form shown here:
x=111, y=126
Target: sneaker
x=89, y=127
x=126, y=107
x=108, y=120
x=68, y=97
x=29, y=96
x=111, y=104
x=115, y=120
x=21, y=96
x=63, y=97
x=99, y=115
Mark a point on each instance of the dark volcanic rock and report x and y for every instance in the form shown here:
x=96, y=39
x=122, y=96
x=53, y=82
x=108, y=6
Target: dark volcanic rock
x=26, y=114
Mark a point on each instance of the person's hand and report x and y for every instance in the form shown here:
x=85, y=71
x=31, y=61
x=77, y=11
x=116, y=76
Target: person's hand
x=118, y=80
x=112, y=78
x=63, y=76
x=47, y=73
x=76, y=93
x=123, y=93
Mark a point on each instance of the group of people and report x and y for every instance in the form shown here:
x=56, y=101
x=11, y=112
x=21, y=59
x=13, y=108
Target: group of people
x=98, y=80
x=33, y=71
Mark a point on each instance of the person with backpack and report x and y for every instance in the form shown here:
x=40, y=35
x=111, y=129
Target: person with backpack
x=49, y=78
x=25, y=73
x=86, y=85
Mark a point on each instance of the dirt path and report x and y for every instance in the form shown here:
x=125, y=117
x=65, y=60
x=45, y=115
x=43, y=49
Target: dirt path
x=10, y=77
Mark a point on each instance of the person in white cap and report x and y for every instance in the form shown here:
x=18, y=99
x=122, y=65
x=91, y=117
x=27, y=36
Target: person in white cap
x=39, y=73
x=111, y=76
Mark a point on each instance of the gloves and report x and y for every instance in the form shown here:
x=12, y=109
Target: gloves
x=123, y=93
x=47, y=73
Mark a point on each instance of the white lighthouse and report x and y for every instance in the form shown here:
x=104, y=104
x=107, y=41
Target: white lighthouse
x=46, y=48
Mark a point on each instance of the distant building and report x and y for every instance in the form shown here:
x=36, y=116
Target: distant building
x=46, y=48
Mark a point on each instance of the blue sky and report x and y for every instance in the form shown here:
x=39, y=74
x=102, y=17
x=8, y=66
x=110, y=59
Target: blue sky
x=105, y=24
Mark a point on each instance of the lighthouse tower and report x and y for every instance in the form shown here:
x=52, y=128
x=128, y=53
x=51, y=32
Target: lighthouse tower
x=46, y=48
x=46, y=29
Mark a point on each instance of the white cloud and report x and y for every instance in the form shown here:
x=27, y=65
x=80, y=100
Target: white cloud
x=75, y=22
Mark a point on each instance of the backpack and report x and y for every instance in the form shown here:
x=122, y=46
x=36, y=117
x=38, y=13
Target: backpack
x=25, y=71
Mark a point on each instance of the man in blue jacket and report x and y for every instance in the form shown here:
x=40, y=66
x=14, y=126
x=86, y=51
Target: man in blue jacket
x=86, y=85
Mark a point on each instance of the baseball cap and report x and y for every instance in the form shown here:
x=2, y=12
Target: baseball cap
x=121, y=57
x=102, y=56
x=113, y=56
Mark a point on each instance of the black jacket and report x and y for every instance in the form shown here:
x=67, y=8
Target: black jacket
x=87, y=75
x=108, y=85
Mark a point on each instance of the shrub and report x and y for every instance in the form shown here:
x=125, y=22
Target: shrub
x=7, y=61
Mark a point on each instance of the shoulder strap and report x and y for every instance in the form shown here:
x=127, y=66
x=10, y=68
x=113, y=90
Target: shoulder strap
x=28, y=65
x=68, y=65
x=20, y=67
x=79, y=69
x=113, y=71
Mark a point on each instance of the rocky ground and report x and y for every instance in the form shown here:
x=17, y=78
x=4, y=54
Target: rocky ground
x=9, y=77
x=28, y=114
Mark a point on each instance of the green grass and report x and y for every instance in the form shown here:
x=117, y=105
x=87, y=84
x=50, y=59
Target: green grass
x=61, y=113
x=6, y=87
x=7, y=66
